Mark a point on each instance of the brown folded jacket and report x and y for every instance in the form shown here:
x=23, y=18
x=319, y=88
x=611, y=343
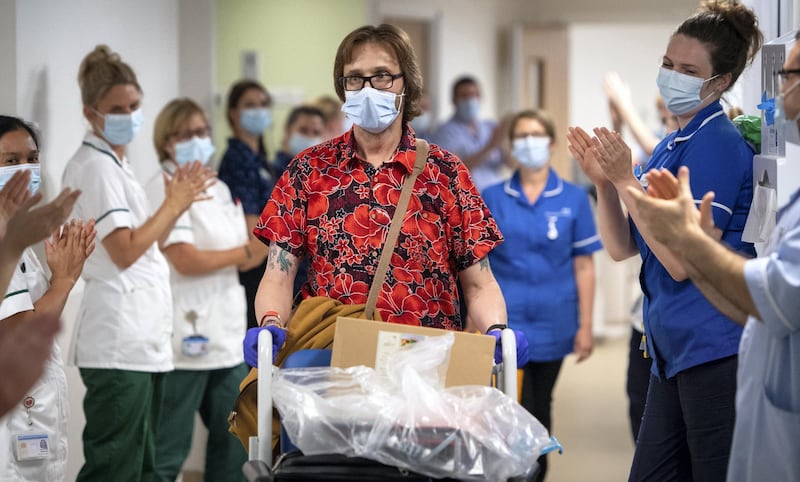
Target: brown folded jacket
x=312, y=325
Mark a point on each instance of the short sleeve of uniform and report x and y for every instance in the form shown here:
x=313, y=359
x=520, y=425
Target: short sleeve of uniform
x=103, y=196
x=472, y=229
x=774, y=283
x=718, y=163
x=283, y=219
x=17, y=297
x=586, y=240
x=182, y=231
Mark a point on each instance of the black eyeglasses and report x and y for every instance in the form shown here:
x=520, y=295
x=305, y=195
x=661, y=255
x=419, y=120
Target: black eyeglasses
x=380, y=81
x=785, y=73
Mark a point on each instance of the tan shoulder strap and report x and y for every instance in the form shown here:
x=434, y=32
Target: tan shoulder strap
x=394, y=229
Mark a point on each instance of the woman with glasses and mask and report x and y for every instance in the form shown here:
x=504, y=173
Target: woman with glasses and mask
x=244, y=168
x=206, y=248
x=335, y=202
x=688, y=420
x=545, y=266
x=124, y=325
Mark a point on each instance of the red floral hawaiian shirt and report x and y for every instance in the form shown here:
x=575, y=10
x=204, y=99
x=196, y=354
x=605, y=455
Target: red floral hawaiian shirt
x=336, y=208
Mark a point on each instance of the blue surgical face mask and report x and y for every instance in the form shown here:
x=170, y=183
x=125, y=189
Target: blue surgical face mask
x=784, y=126
x=422, y=123
x=299, y=143
x=681, y=92
x=468, y=110
x=195, y=149
x=7, y=172
x=120, y=129
x=256, y=121
x=371, y=109
x=532, y=152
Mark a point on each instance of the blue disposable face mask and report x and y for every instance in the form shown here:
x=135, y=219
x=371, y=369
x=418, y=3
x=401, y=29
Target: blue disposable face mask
x=120, y=129
x=371, y=109
x=256, y=121
x=422, y=123
x=468, y=110
x=788, y=127
x=7, y=172
x=681, y=92
x=195, y=149
x=532, y=152
x=299, y=143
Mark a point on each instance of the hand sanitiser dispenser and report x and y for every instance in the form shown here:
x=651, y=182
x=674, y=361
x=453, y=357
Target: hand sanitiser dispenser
x=776, y=170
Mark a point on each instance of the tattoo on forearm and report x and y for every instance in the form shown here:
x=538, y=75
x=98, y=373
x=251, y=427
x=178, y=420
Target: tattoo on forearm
x=485, y=263
x=278, y=259
x=284, y=261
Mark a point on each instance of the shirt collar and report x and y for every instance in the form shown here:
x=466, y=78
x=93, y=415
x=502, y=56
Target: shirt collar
x=402, y=155
x=703, y=117
x=553, y=187
x=99, y=144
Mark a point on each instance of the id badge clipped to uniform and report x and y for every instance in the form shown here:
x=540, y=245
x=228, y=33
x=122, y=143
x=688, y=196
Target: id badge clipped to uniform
x=31, y=446
x=195, y=345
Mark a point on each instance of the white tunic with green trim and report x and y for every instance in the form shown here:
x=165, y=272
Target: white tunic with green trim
x=50, y=407
x=125, y=318
x=212, y=304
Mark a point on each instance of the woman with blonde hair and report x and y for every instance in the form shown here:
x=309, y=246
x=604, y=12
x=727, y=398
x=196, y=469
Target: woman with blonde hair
x=205, y=249
x=122, y=337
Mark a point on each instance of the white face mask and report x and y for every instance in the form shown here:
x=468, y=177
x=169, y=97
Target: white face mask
x=468, y=110
x=681, y=92
x=120, y=129
x=299, y=143
x=371, y=109
x=7, y=172
x=532, y=152
x=195, y=149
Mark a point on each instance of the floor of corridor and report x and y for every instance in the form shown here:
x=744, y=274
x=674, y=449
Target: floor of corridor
x=590, y=417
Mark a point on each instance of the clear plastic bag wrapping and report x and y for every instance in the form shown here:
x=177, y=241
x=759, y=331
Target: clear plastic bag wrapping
x=404, y=418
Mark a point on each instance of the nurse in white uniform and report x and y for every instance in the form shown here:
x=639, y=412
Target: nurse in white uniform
x=122, y=341
x=206, y=248
x=33, y=438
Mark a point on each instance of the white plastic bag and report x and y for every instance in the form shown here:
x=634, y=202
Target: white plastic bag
x=402, y=418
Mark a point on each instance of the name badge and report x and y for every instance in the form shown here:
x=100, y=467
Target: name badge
x=195, y=345
x=33, y=446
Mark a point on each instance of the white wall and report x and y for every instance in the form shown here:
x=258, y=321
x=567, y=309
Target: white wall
x=52, y=37
x=465, y=41
x=632, y=50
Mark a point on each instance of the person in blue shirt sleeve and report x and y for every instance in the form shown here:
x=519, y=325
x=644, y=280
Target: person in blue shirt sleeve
x=688, y=420
x=545, y=267
x=477, y=142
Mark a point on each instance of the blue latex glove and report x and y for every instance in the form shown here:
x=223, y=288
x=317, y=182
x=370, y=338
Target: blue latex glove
x=522, y=347
x=250, y=344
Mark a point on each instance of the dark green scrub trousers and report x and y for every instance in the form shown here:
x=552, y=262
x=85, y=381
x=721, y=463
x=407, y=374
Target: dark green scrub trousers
x=211, y=393
x=122, y=411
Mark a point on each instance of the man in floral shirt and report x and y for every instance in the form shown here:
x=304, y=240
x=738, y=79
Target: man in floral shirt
x=336, y=201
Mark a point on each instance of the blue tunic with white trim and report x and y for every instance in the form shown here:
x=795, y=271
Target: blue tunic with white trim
x=535, y=265
x=683, y=329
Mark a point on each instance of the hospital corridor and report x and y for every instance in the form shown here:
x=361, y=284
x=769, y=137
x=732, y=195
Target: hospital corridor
x=413, y=240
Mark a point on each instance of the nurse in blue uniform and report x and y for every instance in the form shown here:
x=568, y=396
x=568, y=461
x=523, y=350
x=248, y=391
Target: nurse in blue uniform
x=687, y=426
x=545, y=267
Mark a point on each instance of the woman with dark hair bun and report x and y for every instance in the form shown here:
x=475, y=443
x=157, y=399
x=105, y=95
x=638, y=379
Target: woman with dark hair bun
x=687, y=427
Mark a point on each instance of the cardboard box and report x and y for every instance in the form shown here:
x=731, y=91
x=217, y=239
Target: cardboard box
x=366, y=342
